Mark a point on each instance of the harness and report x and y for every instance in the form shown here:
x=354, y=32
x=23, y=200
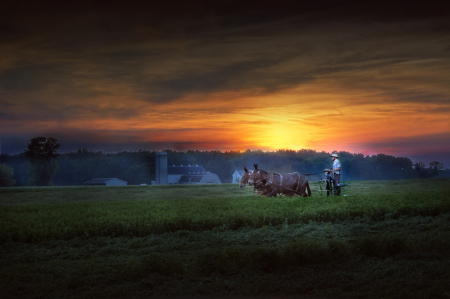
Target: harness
x=270, y=180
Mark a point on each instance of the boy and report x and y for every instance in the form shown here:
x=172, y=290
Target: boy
x=329, y=179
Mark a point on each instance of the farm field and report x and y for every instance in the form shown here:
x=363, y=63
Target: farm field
x=386, y=239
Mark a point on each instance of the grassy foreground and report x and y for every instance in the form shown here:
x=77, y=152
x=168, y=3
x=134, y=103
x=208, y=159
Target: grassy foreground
x=386, y=239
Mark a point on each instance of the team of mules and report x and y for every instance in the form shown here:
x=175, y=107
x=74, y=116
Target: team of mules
x=272, y=183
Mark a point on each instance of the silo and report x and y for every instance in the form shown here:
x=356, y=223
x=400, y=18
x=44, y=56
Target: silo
x=161, y=168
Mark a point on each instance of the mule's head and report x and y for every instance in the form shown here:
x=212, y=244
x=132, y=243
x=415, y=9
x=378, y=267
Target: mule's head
x=255, y=176
x=245, y=178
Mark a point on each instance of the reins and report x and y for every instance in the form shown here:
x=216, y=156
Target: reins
x=308, y=174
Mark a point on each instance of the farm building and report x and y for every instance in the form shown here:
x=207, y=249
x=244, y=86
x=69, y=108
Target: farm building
x=161, y=168
x=237, y=175
x=106, y=182
x=176, y=172
x=183, y=174
x=191, y=175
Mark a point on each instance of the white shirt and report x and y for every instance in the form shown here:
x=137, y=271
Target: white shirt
x=336, y=164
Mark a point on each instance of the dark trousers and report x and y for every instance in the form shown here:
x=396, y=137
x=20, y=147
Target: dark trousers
x=336, y=187
x=329, y=184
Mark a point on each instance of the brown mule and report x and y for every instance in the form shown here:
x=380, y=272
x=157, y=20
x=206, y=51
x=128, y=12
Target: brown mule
x=245, y=180
x=289, y=184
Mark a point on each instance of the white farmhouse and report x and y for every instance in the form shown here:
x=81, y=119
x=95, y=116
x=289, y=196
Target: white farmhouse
x=237, y=176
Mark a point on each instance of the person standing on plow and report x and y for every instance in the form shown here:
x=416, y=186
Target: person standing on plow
x=336, y=169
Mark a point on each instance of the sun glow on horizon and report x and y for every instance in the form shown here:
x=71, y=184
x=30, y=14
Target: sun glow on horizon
x=290, y=119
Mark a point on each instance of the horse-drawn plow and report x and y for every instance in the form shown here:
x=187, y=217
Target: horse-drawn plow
x=273, y=184
x=328, y=188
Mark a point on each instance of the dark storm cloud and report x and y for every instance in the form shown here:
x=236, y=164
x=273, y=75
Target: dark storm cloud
x=439, y=140
x=6, y=105
x=73, y=139
x=239, y=76
x=8, y=32
x=39, y=113
x=420, y=148
x=109, y=141
x=27, y=78
x=115, y=43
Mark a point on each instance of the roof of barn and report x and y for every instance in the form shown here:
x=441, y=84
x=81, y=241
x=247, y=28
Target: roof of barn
x=185, y=170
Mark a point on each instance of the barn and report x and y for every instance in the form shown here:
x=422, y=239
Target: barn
x=206, y=178
x=106, y=182
x=181, y=174
x=187, y=174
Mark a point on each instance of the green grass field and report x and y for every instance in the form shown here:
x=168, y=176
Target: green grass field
x=385, y=239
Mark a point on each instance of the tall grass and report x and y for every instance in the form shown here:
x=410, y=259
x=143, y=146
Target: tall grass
x=87, y=194
x=174, y=241
x=37, y=223
x=299, y=259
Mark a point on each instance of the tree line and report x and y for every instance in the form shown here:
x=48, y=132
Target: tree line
x=41, y=165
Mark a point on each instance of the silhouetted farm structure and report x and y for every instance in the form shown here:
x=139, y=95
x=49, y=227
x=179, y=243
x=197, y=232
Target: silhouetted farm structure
x=139, y=167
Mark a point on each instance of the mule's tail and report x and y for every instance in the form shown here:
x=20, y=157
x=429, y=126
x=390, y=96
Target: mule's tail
x=308, y=189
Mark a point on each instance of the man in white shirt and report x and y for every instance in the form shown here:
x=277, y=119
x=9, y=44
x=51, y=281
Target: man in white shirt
x=336, y=169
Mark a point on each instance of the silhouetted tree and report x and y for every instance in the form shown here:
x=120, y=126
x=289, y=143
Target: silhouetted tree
x=436, y=168
x=42, y=153
x=421, y=169
x=139, y=166
x=6, y=172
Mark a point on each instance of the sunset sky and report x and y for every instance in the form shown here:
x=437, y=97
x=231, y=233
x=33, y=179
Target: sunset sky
x=361, y=76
